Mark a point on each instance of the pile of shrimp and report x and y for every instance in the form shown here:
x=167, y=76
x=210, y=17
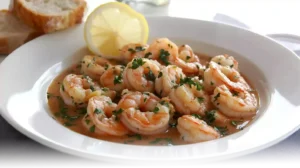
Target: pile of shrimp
x=154, y=84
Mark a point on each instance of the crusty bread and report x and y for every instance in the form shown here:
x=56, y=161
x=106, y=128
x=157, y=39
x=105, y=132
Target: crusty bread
x=13, y=32
x=49, y=15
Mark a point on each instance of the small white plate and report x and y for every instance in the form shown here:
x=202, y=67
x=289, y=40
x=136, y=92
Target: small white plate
x=271, y=68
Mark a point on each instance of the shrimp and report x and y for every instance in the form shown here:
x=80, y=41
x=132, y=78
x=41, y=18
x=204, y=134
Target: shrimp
x=133, y=50
x=75, y=89
x=217, y=75
x=161, y=49
x=189, y=97
x=226, y=60
x=167, y=79
x=140, y=74
x=89, y=125
x=232, y=103
x=187, y=61
x=144, y=113
x=193, y=129
x=100, y=110
x=94, y=66
x=112, y=78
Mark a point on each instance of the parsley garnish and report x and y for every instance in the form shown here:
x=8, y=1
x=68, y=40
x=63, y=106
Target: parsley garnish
x=139, y=48
x=92, y=88
x=190, y=82
x=210, y=116
x=164, y=56
x=231, y=66
x=196, y=116
x=200, y=99
x=222, y=130
x=105, y=89
x=49, y=95
x=160, y=75
x=117, y=112
x=131, y=50
x=98, y=111
x=62, y=87
x=216, y=97
x=87, y=122
x=92, y=128
x=157, y=140
x=68, y=124
x=118, y=79
x=211, y=83
x=235, y=93
x=150, y=76
x=187, y=58
x=137, y=136
x=156, y=109
x=147, y=55
x=137, y=62
x=106, y=66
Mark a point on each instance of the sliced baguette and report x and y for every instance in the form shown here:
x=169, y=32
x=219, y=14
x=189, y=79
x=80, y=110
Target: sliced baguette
x=49, y=15
x=13, y=32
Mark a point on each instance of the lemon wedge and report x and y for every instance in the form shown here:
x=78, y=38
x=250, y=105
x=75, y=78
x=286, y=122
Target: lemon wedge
x=111, y=26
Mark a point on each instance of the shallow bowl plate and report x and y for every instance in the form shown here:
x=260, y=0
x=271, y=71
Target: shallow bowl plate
x=272, y=69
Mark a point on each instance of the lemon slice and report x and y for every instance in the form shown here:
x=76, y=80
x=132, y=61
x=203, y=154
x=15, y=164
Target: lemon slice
x=111, y=26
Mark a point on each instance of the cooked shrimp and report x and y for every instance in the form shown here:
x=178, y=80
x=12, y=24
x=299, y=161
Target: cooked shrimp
x=237, y=104
x=216, y=118
x=226, y=60
x=189, y=97
x=112, y=78
x=144, y=113
x=100, y=110
x=161, y=49
x=140, y=74
x=217, y=75
x=187, y=61
x=133, y=50
x=193, y=129
x=167, y=79
x=94, y=66
x=75, y=89
x=89, y=125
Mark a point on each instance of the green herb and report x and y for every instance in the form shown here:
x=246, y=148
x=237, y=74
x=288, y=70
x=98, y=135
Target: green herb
x=88, y=65
x=190, y=82
x=211, y=83
x=137, y=136
x=200, y=99
x=137, y=62
x=67, y=124
x=169, y=45
x=139, y=48
x=197, y=66
x=92, y=88
x=62, y=87
x=87, y=122
x=146, y=93
x=92, y=128
x=118, y=79
x=235, y=93
x=210, y=116
x=150, y=76
x=49, y=95
x=164, y=56
x=98, y=111
x=117, y=112
x=188, y=57
x=216, y=97
x=160, y=75
x=106, y=66
x=82, y=111
x=222, y=130
x=196, y=116
x=156, y=109
x=164, y=103
x=231, y=66
x=147, y=55
x=109, y=102
x=131, y=50
x=104, y=89
x=158, y=140
x=145, y=99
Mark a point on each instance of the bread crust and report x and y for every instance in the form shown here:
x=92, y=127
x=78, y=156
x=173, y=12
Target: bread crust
x=48, y=23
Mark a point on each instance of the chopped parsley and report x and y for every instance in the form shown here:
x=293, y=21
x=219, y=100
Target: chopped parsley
x=158, y=140
x=235, y=93
x=92, y=128
x=106, y=66
x=164, y=56
x=231, y=66
x=222, y=130
x=98, y=111
x=188, y=57
x=156, y=109
x=118, y=79
x=173, y=124
x=196, y=116
x=92, y=88
x=169, y=45
x=190, y=82
x=159, y=74
x=136, y=136
x=88, y=65
x=62, y=87
x=87, y=121
x=117, y=112
x=104, y=89
x=49, y=95
x=150, y=76
x=210, y=116
x=131, y=50
x=200, y=99
x=147, y=55
x=68, y=124
x=216, y=97
x=139, y=48
x=137, y=62
x=211, y=83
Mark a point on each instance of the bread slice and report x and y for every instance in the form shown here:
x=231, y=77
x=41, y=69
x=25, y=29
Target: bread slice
x=49, y=15
x=13, y=32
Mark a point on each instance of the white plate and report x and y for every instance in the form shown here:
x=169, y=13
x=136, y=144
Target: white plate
x=272, y=69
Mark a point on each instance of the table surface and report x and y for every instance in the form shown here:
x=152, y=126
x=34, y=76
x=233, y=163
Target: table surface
x=265, y=17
